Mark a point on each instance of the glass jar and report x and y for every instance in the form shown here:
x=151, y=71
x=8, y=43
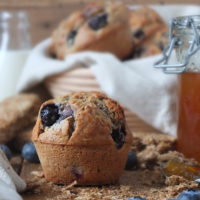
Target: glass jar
x=15, y=45
x=185, y=40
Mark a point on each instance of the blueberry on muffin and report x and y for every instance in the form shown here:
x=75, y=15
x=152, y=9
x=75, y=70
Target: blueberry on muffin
x=99, y=27
x=84, y=137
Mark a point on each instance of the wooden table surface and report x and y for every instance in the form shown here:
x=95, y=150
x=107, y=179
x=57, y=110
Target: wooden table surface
x=46, y=14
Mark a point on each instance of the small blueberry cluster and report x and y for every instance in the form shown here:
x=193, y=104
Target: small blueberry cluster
x=28, y=152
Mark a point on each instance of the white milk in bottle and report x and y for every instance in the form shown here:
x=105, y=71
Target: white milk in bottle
x=11, y=65
x=14, y=49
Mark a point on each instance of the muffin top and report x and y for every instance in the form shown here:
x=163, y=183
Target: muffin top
x=145, y=23
x=83, y=118
x=83, y=28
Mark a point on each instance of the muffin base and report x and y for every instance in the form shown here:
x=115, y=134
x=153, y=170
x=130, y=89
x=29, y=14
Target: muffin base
x=93, y=165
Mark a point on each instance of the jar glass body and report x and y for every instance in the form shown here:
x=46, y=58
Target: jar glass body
x=188, y=132
x=189, y=115
x=15, y=45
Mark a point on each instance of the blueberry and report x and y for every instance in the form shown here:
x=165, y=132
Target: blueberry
x=118, y=136
x=99, y=21
x=139, y=34
x=136, y=198
x=66, y=112
x=138, y=52
x=49, y=114
x=29, y=153
x=191, y=194
x=6, y=150
x=131, y=161
x=70, y=37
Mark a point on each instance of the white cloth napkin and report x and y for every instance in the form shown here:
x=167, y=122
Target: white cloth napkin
x=146, y=91
x=10, y=182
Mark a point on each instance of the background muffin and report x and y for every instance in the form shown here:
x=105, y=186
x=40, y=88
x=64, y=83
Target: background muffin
x=144, y=23
x=99, y=27
x=149, y=32
x=153, y=45
x=83, y=137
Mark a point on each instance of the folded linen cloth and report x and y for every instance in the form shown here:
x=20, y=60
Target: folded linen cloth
x=146, y=91
x=10, y=182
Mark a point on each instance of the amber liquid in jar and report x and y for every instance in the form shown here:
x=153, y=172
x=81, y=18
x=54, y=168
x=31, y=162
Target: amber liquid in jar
x=189, y=115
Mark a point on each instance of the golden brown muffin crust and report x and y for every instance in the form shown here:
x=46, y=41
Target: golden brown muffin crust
x=94, y=118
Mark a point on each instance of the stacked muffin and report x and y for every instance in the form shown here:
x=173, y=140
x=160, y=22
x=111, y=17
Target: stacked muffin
x=150, y=33
x=98, y=27
x=107, y=27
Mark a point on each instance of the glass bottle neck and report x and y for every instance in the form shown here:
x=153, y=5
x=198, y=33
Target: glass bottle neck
x=14, y=31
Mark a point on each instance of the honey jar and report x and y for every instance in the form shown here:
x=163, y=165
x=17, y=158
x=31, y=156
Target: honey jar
x=185, y=42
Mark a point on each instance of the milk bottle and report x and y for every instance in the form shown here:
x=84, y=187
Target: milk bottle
x=14, y=48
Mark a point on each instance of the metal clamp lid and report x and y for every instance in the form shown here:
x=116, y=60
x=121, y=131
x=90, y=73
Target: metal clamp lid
x=175, y=42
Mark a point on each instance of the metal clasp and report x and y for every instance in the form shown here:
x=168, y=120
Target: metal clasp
x=175, y=42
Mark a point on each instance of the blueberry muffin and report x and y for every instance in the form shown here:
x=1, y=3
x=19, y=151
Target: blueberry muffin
x=84, y=137
x=144, y=23
x=153, y=45
x=99, y=27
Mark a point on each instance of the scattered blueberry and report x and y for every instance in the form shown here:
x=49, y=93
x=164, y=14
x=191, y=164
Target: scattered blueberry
x=139, y=34
x=99, y=21
x=49, y=114
x=191, y=194
x=136, y=198
x=70, y=37
x=6, y=150
x=131, y=161
x=118, y=136
x=29, y=153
